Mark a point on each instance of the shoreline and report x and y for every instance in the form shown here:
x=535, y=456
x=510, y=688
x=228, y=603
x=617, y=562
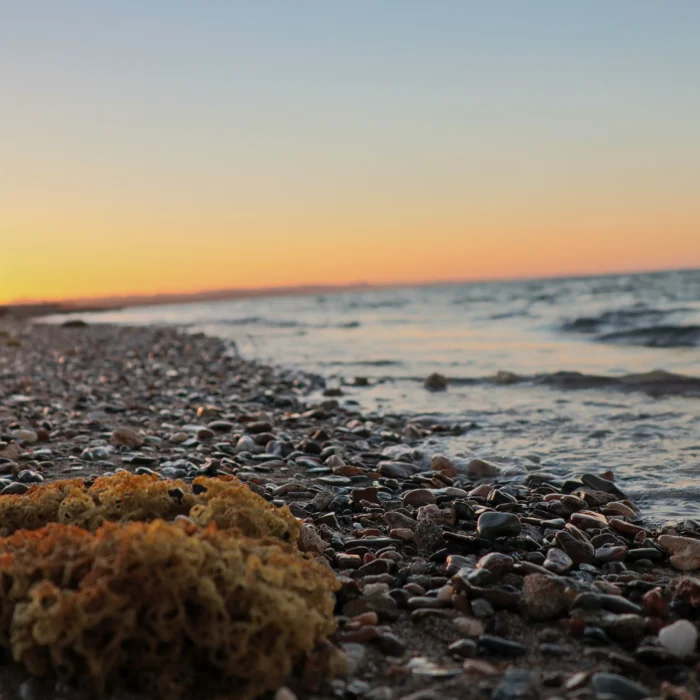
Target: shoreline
x=394, y=531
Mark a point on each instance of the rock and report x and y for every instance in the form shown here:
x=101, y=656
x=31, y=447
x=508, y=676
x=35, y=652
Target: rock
x=247, y=444
x=418, y=497
x=685, y=551
x=365, y=494
x=285, y=693
x=435, y=382
x=390, y=645
x=580, y=552
x=599, y=484
x=28, y=437
x=11, y=451
x=544, y=597
x=495, y=524
x=687, y=589
x=499, y=645
x=464, y=648
x=679, y=638
x=220, y=426
x=397, y=470
x=478, y=469
x=15, y=489
x=469, y=626
x=558, y=561
x=496, y=563
x=310, y=540
x=126, y=436
x=482, y=608
x=516, y=684
x=619, y=687
x=440, y=463
x=477, y=667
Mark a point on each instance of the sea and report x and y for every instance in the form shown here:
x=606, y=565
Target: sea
x=560, y=375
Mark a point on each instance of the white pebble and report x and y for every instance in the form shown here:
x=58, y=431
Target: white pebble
x=679, y=638
x=285, y=693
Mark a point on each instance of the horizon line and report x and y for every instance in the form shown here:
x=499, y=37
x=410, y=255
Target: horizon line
x=113, y=301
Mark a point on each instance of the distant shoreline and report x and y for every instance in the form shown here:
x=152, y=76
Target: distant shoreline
x=34, y=309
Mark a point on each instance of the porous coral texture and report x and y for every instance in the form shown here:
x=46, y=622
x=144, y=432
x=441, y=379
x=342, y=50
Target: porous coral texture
x=161, y=607
x=126, y=497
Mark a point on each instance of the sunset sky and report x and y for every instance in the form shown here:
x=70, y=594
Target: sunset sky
x=174, y=146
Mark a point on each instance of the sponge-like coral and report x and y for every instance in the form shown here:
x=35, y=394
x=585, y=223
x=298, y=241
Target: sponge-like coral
x=126, y=497
x=162, y=607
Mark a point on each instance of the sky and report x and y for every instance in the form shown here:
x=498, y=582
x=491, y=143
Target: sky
x=176, y=146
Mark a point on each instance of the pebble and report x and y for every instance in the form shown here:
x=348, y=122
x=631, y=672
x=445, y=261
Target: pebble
x=580, y=552
x=558, y=561
x=680, y=638
x=494, y=524
x=28, y=437
x=435, y=382
x=468, y=626
x=544, y=597
x=599, y=484
x=685, y=551
x=618, y=686
x=418, y=497
x=478, y=469
x=126, y=436
x=499, y=645
x=517, y=683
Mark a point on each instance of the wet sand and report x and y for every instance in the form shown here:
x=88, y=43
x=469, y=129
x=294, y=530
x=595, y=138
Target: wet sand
x=561, y=581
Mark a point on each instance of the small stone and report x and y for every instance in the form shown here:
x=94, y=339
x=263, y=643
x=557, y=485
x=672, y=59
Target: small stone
x=478, y=469
x=469, y=626
x=310, y=540
x=27, y=476
x=478, y=667
x=517, y=683
x=465, y=648
x=435, y=382
x=558, y=561
x=685, y=551
x=599, y=484
x=679, y=638
x=396, y=470
x=15, y=489
x=28, y=437
x=126, y=436
x=580, y=552
x=544, y=597
x=496, y=524
x=482, y=608
x=390, y=645
x=619, y=687
x=499, y=645
x=418, y=497
x=440, y=463
x=285, y=693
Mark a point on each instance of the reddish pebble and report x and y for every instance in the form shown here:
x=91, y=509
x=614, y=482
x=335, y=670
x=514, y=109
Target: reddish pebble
x=654, y=604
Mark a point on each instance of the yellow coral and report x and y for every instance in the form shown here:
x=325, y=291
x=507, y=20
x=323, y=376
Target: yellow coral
x=126, y=497
x=162, y=607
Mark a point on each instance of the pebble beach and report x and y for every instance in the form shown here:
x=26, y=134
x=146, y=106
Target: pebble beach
x=455, y=580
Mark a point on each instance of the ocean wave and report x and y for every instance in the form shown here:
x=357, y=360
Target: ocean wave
x=618, y=320
x=656, y=383
x=261, y=321
x=383, y=304
x=362, y=363
x=667, y=336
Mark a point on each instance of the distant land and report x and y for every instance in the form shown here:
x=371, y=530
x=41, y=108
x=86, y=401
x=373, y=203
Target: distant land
x=33, y=309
